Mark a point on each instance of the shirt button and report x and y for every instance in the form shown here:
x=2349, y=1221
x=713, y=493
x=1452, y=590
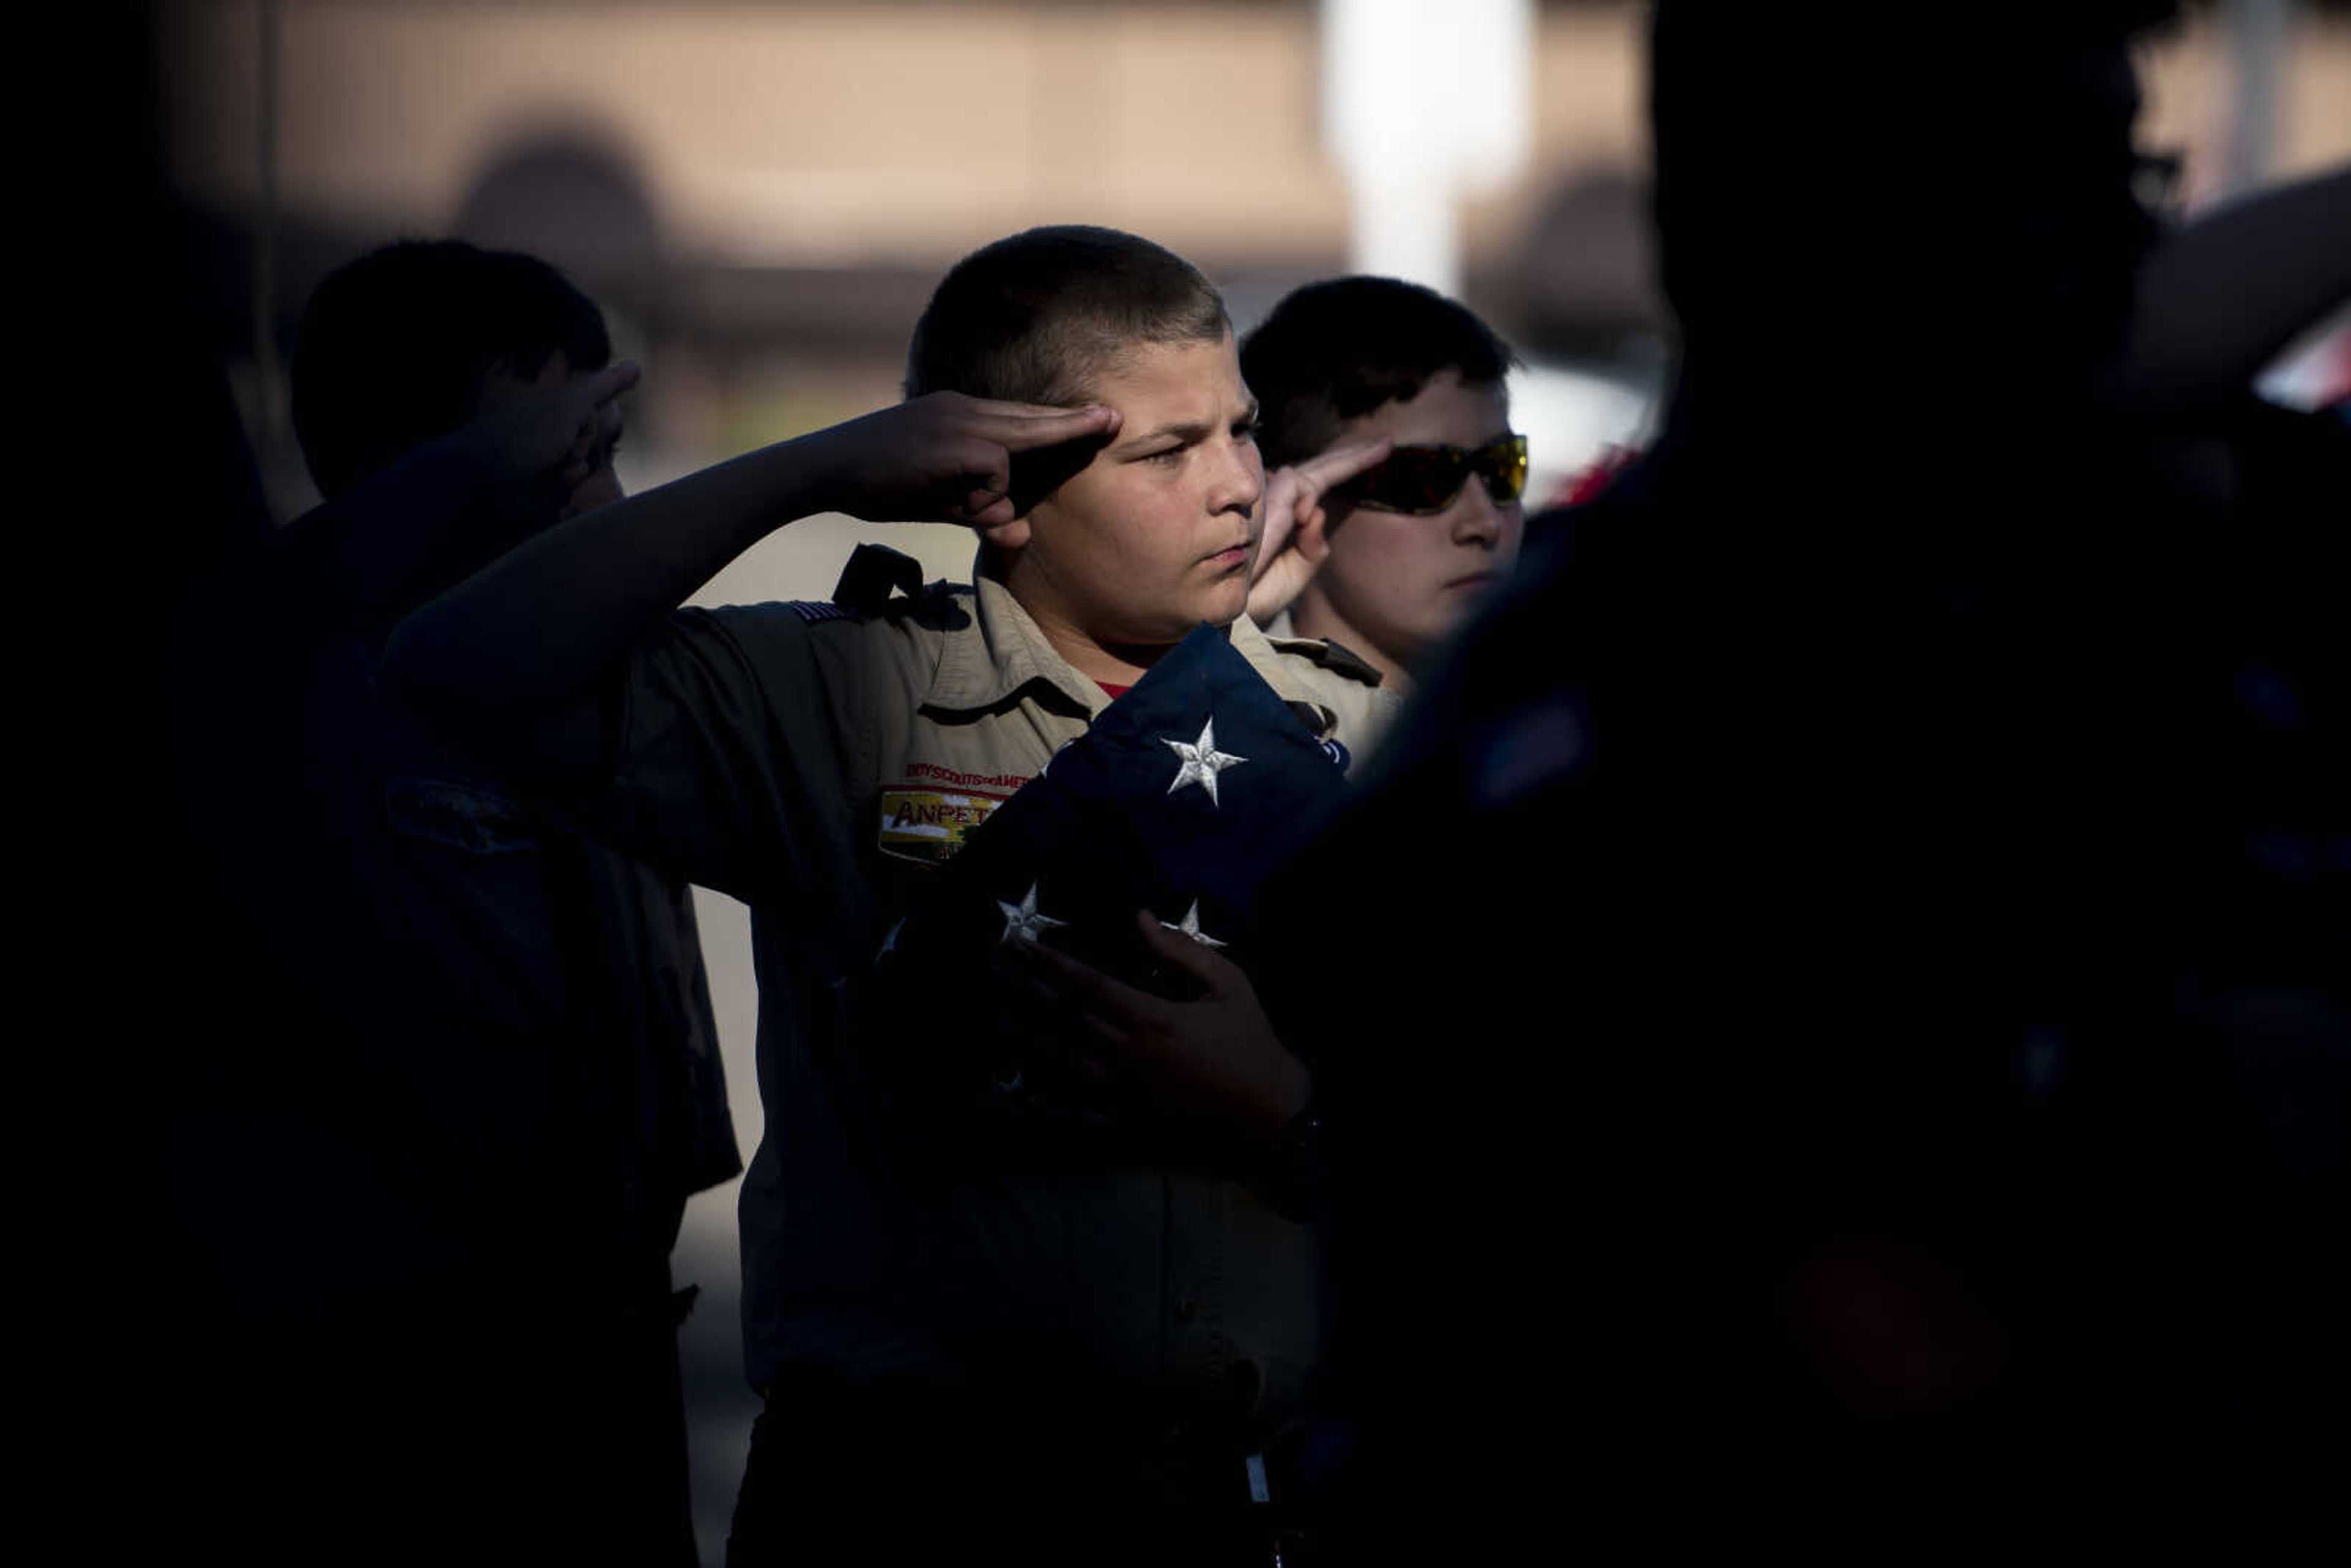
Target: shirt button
x=1187, y=1309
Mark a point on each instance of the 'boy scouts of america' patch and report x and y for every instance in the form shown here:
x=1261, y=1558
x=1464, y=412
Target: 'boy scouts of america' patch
x=929, y=824
x=925, y=818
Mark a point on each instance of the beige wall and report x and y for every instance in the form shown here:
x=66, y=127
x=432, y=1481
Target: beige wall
x=791, y=135
x=839, y=134
x=845, y=133
x=2190, y=85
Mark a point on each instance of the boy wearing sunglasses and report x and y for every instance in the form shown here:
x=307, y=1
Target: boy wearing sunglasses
x=1414, y=541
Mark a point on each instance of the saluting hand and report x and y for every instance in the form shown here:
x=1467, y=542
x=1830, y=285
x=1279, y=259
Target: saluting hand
x=550, y=435
x=943, y=457
x=1295, y=543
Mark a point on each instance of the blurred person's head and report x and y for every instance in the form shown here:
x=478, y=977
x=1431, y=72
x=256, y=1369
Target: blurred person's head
x=1414, y=540
x=419, y=338
x=1947, y=187
x=1132, y=542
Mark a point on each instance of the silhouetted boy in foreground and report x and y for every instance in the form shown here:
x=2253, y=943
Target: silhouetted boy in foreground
x=430, y=1179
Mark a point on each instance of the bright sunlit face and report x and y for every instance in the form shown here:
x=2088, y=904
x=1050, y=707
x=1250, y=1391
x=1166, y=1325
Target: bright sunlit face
x=1154, y=535
x=1397, y=584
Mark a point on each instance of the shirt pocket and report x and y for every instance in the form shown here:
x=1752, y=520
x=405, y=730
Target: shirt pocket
x=461, y=816
x=483, y=913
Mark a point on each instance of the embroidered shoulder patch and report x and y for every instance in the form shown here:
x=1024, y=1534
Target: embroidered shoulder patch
x=815, y=609
x=1335, y=657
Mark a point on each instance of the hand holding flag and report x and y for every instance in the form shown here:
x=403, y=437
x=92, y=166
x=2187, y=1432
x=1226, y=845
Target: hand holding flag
x=1022, y=983
x=1213, y=1057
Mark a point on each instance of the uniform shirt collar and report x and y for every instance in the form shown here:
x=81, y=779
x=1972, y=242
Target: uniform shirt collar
x=1266, y=659
x=1004, y=654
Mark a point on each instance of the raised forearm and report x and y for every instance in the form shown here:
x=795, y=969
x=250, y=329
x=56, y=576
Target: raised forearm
x=356, y=562
x=532, y=633
x=523, y=643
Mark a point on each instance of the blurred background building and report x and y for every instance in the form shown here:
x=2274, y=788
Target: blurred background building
x=762, y=196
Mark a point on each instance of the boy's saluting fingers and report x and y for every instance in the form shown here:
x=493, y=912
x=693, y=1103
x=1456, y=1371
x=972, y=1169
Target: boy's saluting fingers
x=1339, y=464
x=554, y=434
x=947, y=457
x=1295, y=546
x=1025, y=426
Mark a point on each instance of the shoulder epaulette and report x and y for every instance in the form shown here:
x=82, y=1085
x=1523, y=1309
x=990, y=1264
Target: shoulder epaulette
x=874, y=574
x=1335, y=657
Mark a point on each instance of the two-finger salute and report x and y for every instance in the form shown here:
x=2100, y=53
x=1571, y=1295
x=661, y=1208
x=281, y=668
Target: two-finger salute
x=948, y=457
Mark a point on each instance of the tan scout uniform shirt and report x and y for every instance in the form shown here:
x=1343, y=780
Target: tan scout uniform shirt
x=816, y=764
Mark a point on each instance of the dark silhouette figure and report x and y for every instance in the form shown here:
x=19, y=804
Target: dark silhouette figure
x=1827, y=897
x=426, y=1164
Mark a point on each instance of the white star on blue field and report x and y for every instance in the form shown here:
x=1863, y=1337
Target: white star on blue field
x=1201, y=760
x=1190, y=926
x=1022, y=919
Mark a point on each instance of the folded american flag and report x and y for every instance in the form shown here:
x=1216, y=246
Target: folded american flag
x=1186, y=792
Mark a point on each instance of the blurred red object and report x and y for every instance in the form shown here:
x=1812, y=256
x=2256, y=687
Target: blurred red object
x=1593, y=477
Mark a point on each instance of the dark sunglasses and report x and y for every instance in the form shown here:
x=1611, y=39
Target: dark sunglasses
x=1424, y=479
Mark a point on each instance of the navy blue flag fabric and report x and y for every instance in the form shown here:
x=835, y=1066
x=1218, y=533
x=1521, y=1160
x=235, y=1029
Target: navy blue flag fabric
x=1188, y=790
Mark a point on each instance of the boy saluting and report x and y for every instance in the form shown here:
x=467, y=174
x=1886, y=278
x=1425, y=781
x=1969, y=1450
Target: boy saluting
x=1075, y=394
